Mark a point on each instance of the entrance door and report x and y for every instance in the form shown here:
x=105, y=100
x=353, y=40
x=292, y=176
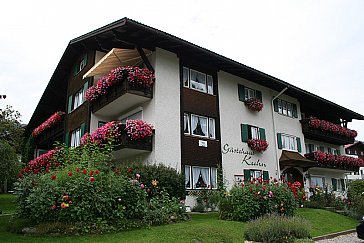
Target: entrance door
x=292, y=174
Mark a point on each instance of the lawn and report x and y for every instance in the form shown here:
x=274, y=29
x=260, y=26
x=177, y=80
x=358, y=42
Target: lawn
x=7, y=203
x=202, y=227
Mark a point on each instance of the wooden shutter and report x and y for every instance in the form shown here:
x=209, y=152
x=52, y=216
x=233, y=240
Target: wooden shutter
x=85, y=58
x=247, y=175
x=67, y=138
x=70, y=104
x=265, y=175
x=275, y=105
x=244, y=133
x=241, y=92
x=258, y=95
x=299, y=147
x=294, y=111
x=85, y=87
x=83, y=127
x=279, y=140
x=262, y=133
x=338, y=151
x=334, y=184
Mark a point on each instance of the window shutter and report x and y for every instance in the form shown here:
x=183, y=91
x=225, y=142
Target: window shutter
x=275, y=105
x=85, y=87
x=334, y=184
x=279, y=140
x=338, y=152
x=69, y=104
x=342, y=184
x=258, y=95
x=67, y=138
x=294, y=111
x=75, y=69
x=299, y=147
x=329, y=150
x=244, y=133
x=241, y=92
x=322, y=148
x=83, y=126
x=262, y=133
x=85, y=57
x=247, y=175
x=265, y=175
x=311, y=148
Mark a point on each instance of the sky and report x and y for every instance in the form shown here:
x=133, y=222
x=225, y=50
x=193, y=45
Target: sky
x=316, y=45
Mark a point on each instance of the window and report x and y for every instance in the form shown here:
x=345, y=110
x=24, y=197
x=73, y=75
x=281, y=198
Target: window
x=199, y=126
x=317, y=181
x=338, y=184
x=310, y=148
x=201, y=177
x=132, y=116
x=246, y=93
x=251, y=132
x=80, y=65
x=285, y=108
x=79, y=99
x=197, y=80
x=76, y=138
x=255, y=174
x=289, y=142
x=101, y=124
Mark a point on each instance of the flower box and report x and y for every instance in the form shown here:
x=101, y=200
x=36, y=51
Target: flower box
x=258, y=145
x=336, y=161
x=254, y=104
x=50, y=122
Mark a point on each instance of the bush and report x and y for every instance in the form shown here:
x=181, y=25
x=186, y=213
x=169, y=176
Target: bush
x=257, y=198
x=355, y=199
x=277, y=228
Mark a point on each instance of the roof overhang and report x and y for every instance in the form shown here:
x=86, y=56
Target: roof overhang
x=295, y=159
x=115, y=58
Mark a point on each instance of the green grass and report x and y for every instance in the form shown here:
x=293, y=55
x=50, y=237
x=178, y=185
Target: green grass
x=202, y=227
x=7, y=203
x=325, y=222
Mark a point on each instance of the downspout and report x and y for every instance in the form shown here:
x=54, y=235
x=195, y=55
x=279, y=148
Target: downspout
x=278, y=173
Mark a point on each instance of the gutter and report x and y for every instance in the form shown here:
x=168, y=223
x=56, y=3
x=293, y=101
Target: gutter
x=278, y=172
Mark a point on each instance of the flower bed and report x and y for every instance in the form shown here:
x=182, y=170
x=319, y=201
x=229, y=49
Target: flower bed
x=258, y=145
x=42, y=164
x=254, y=104
x=51, y=121
x=331, y=127
x=335, y=160
x=134, y=75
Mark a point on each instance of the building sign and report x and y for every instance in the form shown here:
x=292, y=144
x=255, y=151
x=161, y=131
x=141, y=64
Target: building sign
x=202, y=143
x=247, y=156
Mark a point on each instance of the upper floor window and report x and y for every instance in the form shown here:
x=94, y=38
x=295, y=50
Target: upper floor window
x=246, y=93
x=197, y=80
x=289, y=142
x=251, y=132
x=199, y=125
x=78, y=99
x=80, y=65
x=285, y=108
x=76, y=138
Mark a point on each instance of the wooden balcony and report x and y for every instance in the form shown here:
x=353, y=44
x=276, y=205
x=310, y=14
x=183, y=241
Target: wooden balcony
x=50, y=135
x=323, y=136
x=310, y=156
x=120, y=97
x=127, y=148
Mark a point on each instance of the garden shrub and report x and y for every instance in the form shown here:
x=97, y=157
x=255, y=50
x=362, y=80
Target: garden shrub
x=355, y=199
x=277, y=228
x=256, y=198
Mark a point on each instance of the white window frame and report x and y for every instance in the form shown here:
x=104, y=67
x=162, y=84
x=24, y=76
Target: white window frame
x=285, y=108
x=189, y=169
x=186, y=117
x=193, y=180
x=210, y=84
x=78, y=99
x=206, y=87
x=213, y=176
x=211, y=128
x=198, y=84
x=82, y=64
x=76, y=137
x=186, y=77
x=249, y=93
x=256, y=174
x=210, y=125
x=255, y=134
x=316, y=177
x=294, y=142
x=339, y=186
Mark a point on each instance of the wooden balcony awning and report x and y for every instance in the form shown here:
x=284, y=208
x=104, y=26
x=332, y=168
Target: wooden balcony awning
x=291, y=158
x=116, y=58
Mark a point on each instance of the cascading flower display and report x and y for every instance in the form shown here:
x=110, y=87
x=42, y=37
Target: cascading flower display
x=51, y=121
x=134, y=75
x=254, y=104
x=335, y=160
x=258, y=145
x=42, y=164
x=138, y=129
x=331, y=127
x=102, y=135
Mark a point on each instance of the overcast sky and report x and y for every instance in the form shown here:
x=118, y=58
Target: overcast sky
x=313, y=44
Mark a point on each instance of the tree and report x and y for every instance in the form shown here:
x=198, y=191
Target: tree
x=10, y=127
x=9, y=165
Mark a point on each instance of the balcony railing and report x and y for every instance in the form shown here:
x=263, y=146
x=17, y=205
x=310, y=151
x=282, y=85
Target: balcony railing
x=124, y=142
x=339, y=162
x=324, y=136
x=51, y=134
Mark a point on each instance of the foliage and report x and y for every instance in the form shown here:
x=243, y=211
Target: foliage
x=356, y=198
x=27, y=149
x=168, y=179
x=277, y=228
x=10, y=127
x=256, y=198
x=9, y=164
x=206, y=199
x=322, y=198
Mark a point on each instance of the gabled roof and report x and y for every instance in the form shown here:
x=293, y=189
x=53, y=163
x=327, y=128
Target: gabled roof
x=127, y=33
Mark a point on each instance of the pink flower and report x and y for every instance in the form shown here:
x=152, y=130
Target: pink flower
x=254, y=104
x=51, y=121
x=142, y=186
x=137, y=176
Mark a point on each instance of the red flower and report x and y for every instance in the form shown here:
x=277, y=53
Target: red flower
x=258, y=145
x=54, y=177
x=20, y=175
x=130, y=170
x=54, y=207
x=91, y=173
x=254, y=104
x=77, y=169
x=251, y=189
x=70, y=173
x=92, y=179
x=97, y=172
x=84, y=171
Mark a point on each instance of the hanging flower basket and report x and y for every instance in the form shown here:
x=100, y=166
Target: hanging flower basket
x=258, y=145
x=331, y=127
x=254, y=104
x=335, y=160
x=51, y=121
